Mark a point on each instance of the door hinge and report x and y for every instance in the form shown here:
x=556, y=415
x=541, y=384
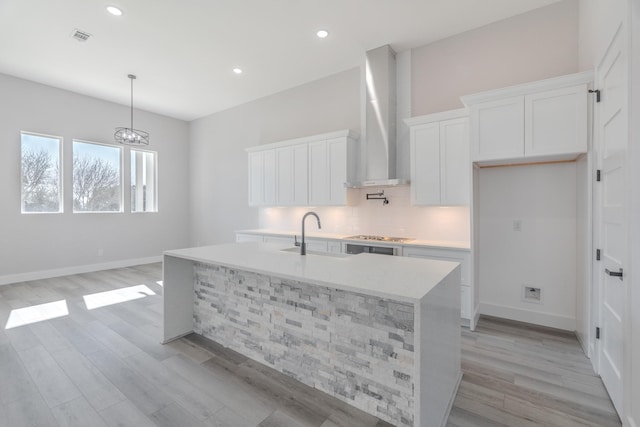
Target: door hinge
x=597, y=254
x=597, y=332
x=598, y=175
x=597, y=92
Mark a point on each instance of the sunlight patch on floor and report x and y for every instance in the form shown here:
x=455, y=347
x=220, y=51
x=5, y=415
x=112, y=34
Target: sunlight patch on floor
x=116, y=296
x=37, y=313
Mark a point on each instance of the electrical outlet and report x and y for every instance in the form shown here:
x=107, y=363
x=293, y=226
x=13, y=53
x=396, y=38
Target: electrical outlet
x=100, y=252
x=531, y=294
x=517, y=225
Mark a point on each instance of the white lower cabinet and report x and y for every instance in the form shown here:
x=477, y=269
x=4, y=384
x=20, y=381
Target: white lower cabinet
x=334, y=246
x=243, y=237
x=463, y=257
x=318, y=245
x=281, y=240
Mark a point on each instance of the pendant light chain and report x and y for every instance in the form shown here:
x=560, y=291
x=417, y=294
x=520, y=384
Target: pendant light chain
x=130, y=135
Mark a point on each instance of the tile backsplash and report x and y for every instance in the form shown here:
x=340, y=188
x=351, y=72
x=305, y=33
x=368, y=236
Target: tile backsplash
x=398, y=218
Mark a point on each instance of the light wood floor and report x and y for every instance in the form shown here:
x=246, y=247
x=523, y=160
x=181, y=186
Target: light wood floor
x=104, y=366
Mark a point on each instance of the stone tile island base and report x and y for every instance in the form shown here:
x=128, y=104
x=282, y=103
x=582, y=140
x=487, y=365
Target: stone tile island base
x=356, y=347
x=380, y=333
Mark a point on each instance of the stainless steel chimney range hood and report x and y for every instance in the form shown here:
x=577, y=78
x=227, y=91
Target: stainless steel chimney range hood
x=377, y=160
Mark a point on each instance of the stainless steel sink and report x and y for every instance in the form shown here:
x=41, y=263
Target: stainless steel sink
x=330, y=254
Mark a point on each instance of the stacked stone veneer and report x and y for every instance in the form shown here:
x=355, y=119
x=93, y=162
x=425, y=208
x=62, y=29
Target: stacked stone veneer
x=358, y=348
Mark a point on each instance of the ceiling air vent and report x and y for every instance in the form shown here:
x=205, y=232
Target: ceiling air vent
x=81, y=36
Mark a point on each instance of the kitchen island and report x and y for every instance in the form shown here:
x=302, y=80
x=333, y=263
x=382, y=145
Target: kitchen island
x=380, y=333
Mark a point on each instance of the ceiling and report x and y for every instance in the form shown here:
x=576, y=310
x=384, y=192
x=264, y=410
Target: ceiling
x=183, y=51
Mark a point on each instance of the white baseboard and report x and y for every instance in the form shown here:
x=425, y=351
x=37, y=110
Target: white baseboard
x=529, y=316
x=631, y=422
x=79, y=269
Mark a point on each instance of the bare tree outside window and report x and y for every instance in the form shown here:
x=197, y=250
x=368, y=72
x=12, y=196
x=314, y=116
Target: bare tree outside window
x=40, y=173
x=96, y=178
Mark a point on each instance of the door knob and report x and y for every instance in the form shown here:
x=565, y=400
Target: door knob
x=613, y=273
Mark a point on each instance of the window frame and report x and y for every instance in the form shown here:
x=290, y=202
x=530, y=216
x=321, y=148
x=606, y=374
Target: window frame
x=155, y=178
x=121, y=164
x=61, y=186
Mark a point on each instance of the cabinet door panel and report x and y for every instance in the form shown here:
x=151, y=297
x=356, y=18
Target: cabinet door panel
x=291, y=171
x=455, y=165
x=337, y=157
x=284, y=172
x=498, y=129
x=256, y=183
x=300, y=175
x=269, y=177
x=425, y=164
x=556, y=122
x=318, y=173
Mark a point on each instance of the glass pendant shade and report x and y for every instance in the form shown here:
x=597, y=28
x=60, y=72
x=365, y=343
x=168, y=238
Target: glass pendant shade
x=129, y=135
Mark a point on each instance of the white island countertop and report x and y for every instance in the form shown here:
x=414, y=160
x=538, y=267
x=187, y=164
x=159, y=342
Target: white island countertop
x=400, y=278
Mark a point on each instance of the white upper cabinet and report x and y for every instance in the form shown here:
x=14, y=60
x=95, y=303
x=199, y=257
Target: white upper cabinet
x=556, y=121
x=498, y=129
x=262, y=178
x=292, y=175
x=544, y=120
x=440, y=165
x=307, y=171
x=328, y=169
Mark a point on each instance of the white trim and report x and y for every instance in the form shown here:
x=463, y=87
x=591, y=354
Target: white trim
x=436, y=117
x=528, y=88
x=79, y=269
x=452, y=399
x=320, y=137
x=534, y=317
x=631, y=422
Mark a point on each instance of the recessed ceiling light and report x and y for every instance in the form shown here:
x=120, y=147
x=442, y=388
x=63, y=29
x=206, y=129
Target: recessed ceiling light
x=237, y=70
x=322, y=33
x=114, y=10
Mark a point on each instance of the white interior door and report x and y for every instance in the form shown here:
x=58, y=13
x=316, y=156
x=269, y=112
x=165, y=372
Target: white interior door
x=611, y=219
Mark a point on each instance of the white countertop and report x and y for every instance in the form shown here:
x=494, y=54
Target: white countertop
x=444, y=244
x=399, y=278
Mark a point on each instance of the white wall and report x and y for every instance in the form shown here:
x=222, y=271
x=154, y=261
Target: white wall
x=398, y=218
x=536, y=45
x=543, y=254
x=218, y=174
x=60, y=243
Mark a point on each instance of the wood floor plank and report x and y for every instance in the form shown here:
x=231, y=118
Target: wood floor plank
x=29, y=412
x=77, y=413
x=95, y=387
x=147, y=397
x=181, y=391
x=54, y=385
x=16, y=381
x=125, y=414
x=173, y=415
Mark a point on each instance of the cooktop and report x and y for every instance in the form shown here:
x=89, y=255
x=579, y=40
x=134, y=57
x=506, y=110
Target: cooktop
x=380, y=238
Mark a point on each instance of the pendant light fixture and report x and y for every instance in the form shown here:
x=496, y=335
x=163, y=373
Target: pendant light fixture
x=130, y=135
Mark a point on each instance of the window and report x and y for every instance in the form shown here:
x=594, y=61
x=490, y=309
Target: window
x=143, y=181
x=97, y=183
x=41, y=171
